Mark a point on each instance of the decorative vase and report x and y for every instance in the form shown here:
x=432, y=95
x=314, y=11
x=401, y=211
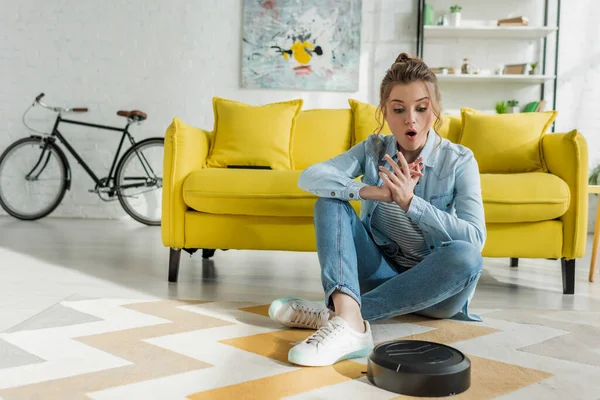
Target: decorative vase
x=455, y=19
x=514, y=110
x=428, y=15
x=466, y=68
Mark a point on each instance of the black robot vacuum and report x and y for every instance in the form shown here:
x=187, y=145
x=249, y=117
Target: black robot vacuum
x=419, y=368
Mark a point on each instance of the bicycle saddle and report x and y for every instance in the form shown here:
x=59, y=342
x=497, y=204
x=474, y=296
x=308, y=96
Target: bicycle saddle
x=134, y=114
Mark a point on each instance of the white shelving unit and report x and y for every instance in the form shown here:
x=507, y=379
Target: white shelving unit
x=524, y=79
x=487, y=32
x=480, y=31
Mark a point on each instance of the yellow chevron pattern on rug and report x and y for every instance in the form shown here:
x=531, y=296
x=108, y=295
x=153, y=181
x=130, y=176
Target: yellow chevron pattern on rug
x=168, y=349
x=147, y=361
x=286, y=384
x=489, y=378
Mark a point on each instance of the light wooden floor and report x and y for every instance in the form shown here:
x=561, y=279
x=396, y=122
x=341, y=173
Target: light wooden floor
x=44, y=262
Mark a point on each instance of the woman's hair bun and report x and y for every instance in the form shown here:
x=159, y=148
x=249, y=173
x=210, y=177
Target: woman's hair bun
x=403, y=57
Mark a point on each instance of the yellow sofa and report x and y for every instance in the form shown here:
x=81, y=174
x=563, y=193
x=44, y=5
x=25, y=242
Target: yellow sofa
x=537, y=214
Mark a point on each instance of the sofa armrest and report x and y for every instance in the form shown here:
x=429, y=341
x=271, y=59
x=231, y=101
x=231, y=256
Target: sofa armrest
x=566, y=155
x=186, y=150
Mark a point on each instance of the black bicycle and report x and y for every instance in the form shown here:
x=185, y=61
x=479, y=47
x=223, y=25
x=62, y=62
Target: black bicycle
x=35, y=173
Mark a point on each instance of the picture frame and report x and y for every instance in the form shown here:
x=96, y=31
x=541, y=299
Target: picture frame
x=515, y=69
x=301, y=45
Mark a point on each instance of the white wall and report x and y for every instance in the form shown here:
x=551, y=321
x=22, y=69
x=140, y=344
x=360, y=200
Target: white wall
x=170, y=59
x=579, y=72
x=579, y=84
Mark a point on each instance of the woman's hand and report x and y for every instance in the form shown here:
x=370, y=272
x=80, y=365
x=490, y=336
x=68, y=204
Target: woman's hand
x=401, y=182
x=384, y=193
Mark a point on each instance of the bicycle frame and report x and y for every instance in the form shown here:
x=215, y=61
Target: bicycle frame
x=99, y=182
x=131, y=179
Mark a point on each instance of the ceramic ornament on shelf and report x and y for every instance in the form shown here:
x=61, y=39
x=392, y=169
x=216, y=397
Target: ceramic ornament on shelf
x=513, y=106
x=467, y=67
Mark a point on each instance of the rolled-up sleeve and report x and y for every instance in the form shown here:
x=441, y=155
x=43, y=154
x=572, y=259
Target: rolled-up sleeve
x=335, y=178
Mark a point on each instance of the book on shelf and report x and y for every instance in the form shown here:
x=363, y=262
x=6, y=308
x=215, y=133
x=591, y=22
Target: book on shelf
x=541, y=107
x=531, y=107
x=440, y=70
x=535, y=106
x=516, y=21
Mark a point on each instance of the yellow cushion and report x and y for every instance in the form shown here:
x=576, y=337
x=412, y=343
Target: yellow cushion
x=523, y=197
x=451, y=127
x=249, y=192
x=505, y=143
x=320, y=135
x=365, y=121
x=253, y=135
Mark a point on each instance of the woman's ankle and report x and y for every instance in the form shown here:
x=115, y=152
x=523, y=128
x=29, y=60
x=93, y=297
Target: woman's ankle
x=348, y=309
x=354, y=322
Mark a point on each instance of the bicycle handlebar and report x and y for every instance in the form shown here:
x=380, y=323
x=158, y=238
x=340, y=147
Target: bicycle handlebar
x=58, y=109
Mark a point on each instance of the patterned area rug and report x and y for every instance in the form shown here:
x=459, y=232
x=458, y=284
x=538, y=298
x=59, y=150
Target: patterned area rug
x=166, y=349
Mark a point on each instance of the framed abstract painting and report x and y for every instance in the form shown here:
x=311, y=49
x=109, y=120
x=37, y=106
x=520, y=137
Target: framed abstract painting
x=301, y=44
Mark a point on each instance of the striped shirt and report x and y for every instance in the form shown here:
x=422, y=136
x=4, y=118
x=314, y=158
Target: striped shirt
x=392, y=221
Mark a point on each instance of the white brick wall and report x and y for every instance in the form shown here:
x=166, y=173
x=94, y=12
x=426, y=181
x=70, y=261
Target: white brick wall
x=170, y=59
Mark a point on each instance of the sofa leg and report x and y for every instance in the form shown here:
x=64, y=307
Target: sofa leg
x=568, y=275
x=514, y=262
x=208, y=253
x=174, y=257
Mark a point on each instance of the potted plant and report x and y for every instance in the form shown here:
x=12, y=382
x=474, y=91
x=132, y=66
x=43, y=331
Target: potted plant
x=513, y=106
x=594, y=178
x=501, y=107
x=455, y=15
x=533, y=67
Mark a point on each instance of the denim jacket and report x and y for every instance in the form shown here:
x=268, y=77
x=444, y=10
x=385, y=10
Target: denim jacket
x=446, y=205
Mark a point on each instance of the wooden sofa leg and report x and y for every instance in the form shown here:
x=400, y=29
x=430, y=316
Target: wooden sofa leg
x=514, y=262
x=174, y=257
x=568, y=275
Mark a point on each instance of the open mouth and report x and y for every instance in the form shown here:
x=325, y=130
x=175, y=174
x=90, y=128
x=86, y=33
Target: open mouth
x=411, y=133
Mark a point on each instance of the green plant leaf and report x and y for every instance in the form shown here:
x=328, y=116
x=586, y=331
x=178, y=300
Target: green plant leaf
x=594, y=176
x=501, y=107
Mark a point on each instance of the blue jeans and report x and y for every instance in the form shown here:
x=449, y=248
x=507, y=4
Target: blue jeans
x=352, y=263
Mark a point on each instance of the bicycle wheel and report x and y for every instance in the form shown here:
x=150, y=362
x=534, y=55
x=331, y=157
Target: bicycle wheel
x=33, y=178
x=139, y=181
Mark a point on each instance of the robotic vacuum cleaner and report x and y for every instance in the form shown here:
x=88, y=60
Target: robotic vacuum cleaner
x=419, y=368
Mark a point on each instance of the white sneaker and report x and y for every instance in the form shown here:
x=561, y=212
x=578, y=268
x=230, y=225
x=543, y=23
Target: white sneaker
x=298, y=313
x=334, y=342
